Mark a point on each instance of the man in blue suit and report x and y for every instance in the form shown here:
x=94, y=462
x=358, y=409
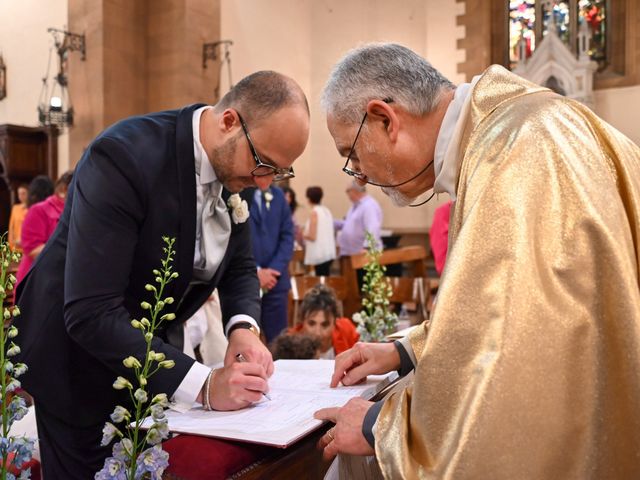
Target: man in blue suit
x=272, y=241
x=169, y=173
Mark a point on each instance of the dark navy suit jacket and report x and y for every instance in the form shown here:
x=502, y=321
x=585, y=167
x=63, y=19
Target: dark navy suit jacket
x=134, y=184
x=272, y=234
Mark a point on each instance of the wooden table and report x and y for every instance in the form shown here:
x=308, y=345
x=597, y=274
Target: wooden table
x=302, y=460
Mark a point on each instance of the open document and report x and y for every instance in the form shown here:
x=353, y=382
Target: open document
x=297, y=389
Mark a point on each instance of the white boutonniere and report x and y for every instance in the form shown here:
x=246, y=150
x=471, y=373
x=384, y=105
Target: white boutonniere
x=268, y=196
x=239, y=209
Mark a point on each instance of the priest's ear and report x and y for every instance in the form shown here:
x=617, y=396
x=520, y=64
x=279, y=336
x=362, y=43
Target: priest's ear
x=384, y=115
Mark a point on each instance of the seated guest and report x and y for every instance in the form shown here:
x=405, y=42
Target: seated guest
x=42, y=218
x=204, y=337
x=320, y=245
x=439, y=235
x=295, y=346
x=18, y=212
x=319, y=313
x=290, y=197
x=39, y=190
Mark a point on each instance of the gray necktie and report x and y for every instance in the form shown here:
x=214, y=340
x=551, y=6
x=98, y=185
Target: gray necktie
x=214, y=232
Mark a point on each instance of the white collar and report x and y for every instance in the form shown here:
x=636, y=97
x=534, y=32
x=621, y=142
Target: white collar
x=446, y=156
x=207, y=173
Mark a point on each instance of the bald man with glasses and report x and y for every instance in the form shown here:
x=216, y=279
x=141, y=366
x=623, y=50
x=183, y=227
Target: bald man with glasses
x=172, y=174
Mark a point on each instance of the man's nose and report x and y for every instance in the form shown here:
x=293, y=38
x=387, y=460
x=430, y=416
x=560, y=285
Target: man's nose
x=263, y=182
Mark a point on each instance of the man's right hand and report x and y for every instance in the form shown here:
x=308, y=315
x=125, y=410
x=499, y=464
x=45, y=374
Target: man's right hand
x=268, y=278
x=353, y=365
x=237, y=386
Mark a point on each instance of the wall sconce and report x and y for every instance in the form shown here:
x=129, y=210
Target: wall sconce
x=55, y=107
x=3, y=78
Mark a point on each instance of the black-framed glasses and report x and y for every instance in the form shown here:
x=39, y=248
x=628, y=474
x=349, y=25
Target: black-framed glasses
x=361, y=176
x=263, y=169
x=355, y=173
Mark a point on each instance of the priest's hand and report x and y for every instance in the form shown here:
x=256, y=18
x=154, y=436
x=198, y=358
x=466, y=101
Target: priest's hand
x=353, y=365
x=346, y=436
x=246, y=342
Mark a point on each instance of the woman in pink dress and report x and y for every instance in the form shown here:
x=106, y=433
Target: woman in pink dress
x=40, y=222
x=439, y=235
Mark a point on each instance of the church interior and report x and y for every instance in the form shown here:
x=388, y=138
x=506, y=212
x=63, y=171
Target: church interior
x=70, y=69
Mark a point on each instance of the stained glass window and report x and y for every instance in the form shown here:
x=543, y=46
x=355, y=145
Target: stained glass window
x=568, y=17
x=522, y=17
x=595, y=14
x=561, y=20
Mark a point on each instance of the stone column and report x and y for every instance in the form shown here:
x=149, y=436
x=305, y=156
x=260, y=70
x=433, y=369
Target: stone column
x=142, y=56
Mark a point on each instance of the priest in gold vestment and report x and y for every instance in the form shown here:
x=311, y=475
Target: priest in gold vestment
x=530, y=367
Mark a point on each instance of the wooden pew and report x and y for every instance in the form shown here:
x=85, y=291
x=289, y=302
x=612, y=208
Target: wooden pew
x=296, y=264
x=416, y=255
x=414, y=290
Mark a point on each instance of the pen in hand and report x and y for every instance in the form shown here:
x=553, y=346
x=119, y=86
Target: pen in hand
x=240, y=359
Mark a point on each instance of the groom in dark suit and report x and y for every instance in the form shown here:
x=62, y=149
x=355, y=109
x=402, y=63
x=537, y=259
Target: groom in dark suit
x=169, y=173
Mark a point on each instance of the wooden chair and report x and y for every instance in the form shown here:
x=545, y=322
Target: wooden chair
x=415, y=291
x=296, y=264
x=415, y=255
x=300, y=285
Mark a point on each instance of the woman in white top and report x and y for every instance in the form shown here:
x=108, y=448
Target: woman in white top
x=320, y=245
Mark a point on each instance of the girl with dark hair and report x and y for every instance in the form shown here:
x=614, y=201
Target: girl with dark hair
x=40, y=188
x=319, y=313
x=290, y=197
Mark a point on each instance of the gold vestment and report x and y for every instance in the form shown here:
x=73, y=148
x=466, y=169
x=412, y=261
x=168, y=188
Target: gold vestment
x=531, y=366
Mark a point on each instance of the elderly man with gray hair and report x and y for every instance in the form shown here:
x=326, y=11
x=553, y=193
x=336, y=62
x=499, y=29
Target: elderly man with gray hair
x=528, y=368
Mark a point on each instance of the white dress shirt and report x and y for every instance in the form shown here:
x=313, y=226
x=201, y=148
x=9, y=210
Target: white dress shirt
x=188, y=390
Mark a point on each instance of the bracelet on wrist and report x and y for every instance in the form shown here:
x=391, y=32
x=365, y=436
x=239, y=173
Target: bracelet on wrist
x=206, y=402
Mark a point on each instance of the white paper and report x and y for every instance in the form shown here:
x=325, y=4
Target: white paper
x=298, y=388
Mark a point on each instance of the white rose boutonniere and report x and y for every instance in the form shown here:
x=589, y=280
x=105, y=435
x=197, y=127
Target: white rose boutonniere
x=268, y=196
x=239, y=209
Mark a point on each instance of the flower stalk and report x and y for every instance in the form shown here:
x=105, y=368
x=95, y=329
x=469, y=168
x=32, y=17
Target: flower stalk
x=138, y=454
x=375, y=320
x=14, y=451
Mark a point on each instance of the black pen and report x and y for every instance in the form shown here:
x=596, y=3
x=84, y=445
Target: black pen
x=240, y=358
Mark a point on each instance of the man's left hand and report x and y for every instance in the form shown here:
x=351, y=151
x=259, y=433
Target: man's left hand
x=247, y=343
x=346, y=436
